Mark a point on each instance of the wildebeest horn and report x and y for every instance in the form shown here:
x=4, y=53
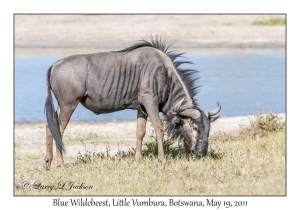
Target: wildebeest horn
x=177, y=106
x=192, y=113
x=215, y=111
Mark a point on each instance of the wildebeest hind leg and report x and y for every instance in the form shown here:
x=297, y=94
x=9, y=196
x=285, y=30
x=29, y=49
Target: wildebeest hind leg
x=49, y=148
x=140, y=133
x=64, y=114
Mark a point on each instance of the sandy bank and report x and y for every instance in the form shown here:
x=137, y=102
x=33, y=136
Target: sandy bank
x=30, y=136
x=112, y=32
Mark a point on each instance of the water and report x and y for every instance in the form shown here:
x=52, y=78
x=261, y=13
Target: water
x=241, y=82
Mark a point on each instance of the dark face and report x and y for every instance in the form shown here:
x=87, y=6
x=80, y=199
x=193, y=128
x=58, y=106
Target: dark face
x=202, y=125
x=194, y=127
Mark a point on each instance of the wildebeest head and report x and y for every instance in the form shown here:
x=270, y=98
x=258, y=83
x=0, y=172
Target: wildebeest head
x=194, y=127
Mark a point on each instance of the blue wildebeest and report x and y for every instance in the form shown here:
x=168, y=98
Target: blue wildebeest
x=144, y=77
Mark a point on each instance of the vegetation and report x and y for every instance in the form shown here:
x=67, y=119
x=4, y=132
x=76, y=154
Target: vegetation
x=249, y=161
x=262, y=125
x=270, y=22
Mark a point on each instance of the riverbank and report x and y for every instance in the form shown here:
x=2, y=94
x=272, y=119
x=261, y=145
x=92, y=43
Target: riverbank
x=114, y=32
x=117, y=134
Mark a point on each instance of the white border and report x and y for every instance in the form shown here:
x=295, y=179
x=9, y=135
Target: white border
x=8, y=201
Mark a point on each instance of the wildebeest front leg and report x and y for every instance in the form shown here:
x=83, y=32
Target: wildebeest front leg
x=140, y=133
x=151, y=106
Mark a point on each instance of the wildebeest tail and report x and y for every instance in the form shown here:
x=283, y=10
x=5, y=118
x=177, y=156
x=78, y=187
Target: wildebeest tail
x=51, y=115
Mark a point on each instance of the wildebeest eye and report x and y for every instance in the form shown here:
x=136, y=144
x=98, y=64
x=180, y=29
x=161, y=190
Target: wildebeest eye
x=194, y=127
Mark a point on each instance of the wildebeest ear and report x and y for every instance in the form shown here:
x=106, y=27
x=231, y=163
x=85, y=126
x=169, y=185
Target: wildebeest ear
x=212, y=119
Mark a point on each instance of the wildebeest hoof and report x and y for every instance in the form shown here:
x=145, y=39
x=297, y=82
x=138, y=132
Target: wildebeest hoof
x=161, y=160
x=60, y=165
x=46, y=167
x=47, y=164
x=138, y=157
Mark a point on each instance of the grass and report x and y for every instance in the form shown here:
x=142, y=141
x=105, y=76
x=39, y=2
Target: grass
x=249, y=161
x=88, y=138
x=270, y=22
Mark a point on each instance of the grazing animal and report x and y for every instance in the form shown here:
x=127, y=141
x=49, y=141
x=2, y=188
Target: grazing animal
x=144, y=77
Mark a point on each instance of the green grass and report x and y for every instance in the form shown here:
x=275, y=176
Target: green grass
x=270, y=22
x=250, y=161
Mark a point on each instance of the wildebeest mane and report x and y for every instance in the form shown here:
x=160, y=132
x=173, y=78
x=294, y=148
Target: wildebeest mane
x=190, y=77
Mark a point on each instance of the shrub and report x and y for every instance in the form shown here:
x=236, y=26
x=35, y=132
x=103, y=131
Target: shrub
x=262, y=125
x=170, y=149
x=270, y=22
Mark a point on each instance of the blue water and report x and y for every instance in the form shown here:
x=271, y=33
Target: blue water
x=241, y=82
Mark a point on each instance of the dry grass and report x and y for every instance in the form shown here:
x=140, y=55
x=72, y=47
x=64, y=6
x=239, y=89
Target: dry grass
x=238, y=163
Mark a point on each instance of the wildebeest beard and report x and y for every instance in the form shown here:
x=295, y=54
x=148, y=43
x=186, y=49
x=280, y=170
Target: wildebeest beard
x=175, y=129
